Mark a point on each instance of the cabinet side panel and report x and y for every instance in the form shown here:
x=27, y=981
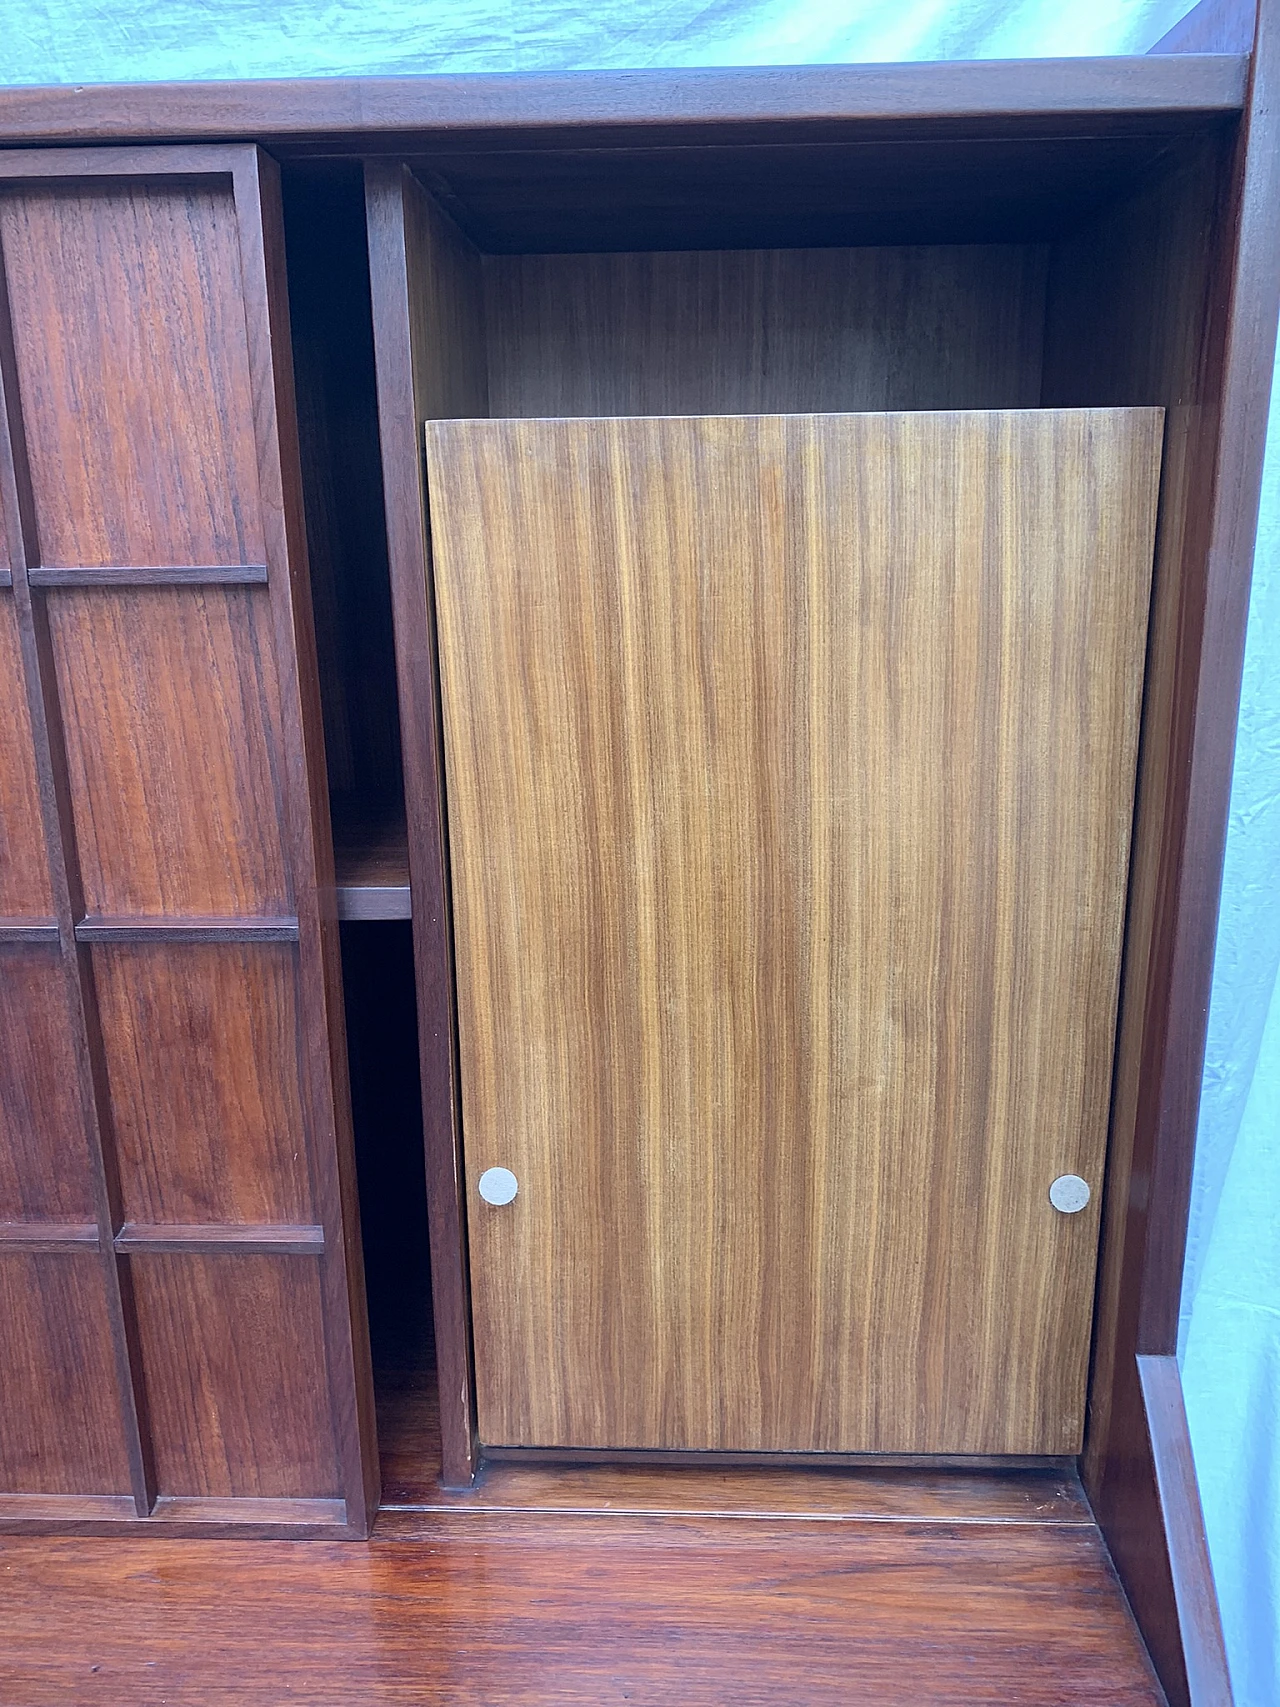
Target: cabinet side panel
x=60, y=1428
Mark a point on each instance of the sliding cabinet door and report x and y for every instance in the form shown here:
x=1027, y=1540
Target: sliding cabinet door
x=790, y=769
x=179, y=1259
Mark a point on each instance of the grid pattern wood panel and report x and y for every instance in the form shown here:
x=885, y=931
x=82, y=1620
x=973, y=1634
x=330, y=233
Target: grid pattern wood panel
x=154, y=528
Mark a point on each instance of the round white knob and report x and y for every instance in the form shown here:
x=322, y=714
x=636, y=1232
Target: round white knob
x=499, y=1185
x=1069, y=1193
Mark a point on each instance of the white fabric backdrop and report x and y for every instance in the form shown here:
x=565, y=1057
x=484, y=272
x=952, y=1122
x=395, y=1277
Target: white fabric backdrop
x=1231, y=1318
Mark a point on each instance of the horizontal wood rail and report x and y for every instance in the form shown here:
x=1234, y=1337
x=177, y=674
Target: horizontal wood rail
x=151, y=575
x=36, y=1237
x=100, y=929
x=253, y=1240
x=28, y=931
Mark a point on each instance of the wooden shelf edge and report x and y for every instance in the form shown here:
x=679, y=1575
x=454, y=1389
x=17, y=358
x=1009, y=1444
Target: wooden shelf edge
x=540, y=102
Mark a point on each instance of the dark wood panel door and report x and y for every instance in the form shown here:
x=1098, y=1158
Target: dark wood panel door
x=178, y=1224
x=790, y=765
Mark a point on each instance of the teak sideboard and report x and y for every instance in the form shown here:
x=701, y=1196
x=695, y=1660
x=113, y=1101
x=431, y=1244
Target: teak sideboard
x=619, y=701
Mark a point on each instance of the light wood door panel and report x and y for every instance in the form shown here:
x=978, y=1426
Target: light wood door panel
x=790, y=766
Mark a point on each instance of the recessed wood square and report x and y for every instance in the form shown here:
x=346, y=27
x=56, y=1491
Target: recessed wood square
x=44, y=1149
x=171, y=710
x=60, y=1423
x=790, y=769
x=233, y=1357
x=129, y=332
x=24, y=869
x=201, y=1045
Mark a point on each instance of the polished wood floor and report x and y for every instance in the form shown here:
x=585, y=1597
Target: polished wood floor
x=735, y=1588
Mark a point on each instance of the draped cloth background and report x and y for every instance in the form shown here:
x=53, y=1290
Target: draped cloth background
x=1230, y=1341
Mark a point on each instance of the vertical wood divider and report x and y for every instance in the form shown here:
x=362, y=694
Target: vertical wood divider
x=325, y=1079
x=397, y=357
x=60, y=846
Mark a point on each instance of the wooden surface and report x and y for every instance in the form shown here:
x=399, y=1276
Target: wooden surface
x=784, y=1026
x=425, y=284
x=763, y=332
x=409, y=1448
x=1099, y=93
x=150, y=466
x=24, y=872
x=553, y=1609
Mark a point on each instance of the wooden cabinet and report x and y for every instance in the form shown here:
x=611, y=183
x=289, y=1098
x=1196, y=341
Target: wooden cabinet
x=181, y=1342
x=790, y=765
x=755, y=566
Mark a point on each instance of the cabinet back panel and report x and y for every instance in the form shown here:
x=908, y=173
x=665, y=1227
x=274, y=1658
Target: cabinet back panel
x=770, y=331
x=171, y=709
x=197, y=1142
x=60, y=1422
x=233, y=1361
x=44, y=1157
x=24, y=869
x=790, y=767
x=132, y=357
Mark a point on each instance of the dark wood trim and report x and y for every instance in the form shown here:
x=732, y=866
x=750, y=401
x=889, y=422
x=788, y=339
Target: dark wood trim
x=324, y=1077
x=152, y=575
x=1204, y=1651
x=40, y=682
x=177, y=1518
x=634, y=1456
x=51, y=1236
x=270, y=1240
x=1214, y=26
x=27, y=931
x=403, y=479
x=1180, y=835
x=546, y=105
x=98, y=928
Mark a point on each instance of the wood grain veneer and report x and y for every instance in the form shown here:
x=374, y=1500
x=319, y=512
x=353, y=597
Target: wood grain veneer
x=762, y=332
x=46, y=1172
x=125, y=369
x=61, y=1428
x=554, y=1609
x=196, y=1142
x=790, y=766
x=172, y=716
x=25, y=892
x=233, y=1358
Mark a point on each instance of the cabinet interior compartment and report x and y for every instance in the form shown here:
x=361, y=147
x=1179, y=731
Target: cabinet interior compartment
x=849, y=279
